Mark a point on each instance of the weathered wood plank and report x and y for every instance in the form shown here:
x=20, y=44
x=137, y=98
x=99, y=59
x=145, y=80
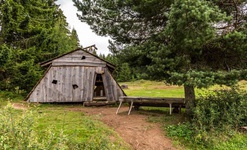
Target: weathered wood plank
x=77, y=55
x=136, y=98
x=85, y=83
x=142, y=101
x=82, y=73
x=98, y=103
x=90, y=85
x=106, y=87
x=109, y=85
x=86, y=64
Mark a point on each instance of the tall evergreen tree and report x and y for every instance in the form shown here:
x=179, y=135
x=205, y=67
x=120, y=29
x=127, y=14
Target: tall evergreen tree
x=74, y=38
x=195, y=43
x=32, y=31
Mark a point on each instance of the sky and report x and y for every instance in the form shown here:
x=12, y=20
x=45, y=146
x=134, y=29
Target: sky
x=86, y=36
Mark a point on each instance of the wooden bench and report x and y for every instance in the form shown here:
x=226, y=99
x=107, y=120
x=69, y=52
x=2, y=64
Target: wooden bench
x=151, y=101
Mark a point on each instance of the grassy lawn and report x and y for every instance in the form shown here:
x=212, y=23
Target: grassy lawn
x=160, y=89
x=81, y=130
x=152, y=89
x=47, y=126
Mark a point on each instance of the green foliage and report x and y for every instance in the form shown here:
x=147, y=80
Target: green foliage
x=217, y=117
x=17, y=132
x=220, y=110
x=163, y=39
x=124, y=74
x=31, y=32
x=184, y=134
x=8, y=95
x=208, y=78
x=26, y=74
x=52, y=127
x=5, y=60
x=183, y=130
x=190, y=25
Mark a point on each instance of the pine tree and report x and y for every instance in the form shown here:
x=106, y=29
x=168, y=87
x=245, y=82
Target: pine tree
x=124, y=73
x=74, y=38
x=32, y=31
x=196, y=43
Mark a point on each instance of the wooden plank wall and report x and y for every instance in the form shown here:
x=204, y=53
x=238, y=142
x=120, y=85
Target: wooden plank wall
x=77, y=55
x=112, y=89
x=81, y=77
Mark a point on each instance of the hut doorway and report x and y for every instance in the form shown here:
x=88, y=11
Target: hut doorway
x=99, y=90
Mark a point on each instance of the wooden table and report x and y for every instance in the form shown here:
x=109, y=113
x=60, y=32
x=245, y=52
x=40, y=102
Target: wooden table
x=166, y=100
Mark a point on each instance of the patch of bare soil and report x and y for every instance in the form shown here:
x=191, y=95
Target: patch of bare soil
x=19, y=106
x=134, y=129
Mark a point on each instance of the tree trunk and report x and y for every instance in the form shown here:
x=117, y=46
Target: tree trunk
x=189, y=92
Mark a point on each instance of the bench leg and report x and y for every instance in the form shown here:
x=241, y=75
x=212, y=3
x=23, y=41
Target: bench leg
x=170, y=104
x=131, y=105
x=119, y=106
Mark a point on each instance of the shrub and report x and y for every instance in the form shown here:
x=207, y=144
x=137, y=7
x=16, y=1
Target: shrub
x=183, y=130
x=216, y=118
x=220, y=110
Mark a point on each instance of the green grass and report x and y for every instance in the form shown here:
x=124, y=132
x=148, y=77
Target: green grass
x=79, y=128
x=152, y=89
x=57, y=125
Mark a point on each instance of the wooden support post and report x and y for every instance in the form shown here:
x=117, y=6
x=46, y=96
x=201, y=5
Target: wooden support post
x=131, y=105
x=180, y=109
x=119, y=106
x=170, y=104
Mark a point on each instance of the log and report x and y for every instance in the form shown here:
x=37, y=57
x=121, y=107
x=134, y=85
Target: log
x=98, y=103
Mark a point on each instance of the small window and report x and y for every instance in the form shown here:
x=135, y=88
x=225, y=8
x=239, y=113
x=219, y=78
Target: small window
x=75, y=86
x=54, y=82
x=83, y=57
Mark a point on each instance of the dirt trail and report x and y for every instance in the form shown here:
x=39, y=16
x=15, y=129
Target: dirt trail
x=19, y=106
x=134, y=129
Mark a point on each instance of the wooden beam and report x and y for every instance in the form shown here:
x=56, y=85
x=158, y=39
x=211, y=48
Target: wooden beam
x=143, y=101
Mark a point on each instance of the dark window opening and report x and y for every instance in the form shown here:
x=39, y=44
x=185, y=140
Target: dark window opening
x=98, y=78
x=75, y=86
x=99, y=90
x=83, y=57
x=54, y=81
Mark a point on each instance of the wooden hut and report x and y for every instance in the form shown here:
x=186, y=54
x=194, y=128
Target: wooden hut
x=76, y=76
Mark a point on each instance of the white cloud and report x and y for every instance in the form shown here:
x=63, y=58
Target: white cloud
x=85, y=34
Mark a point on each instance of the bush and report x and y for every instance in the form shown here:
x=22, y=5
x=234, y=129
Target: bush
x=216, y=118
x=221, y=110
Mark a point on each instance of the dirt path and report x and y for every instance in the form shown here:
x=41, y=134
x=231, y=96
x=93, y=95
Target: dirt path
x=134, y=129
x=19, y=106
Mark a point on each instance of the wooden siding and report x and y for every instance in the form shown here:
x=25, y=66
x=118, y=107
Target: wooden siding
x=112, y=89
x=72, y=79
x=78, y=63
x=77, y=56
x=74, y=84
